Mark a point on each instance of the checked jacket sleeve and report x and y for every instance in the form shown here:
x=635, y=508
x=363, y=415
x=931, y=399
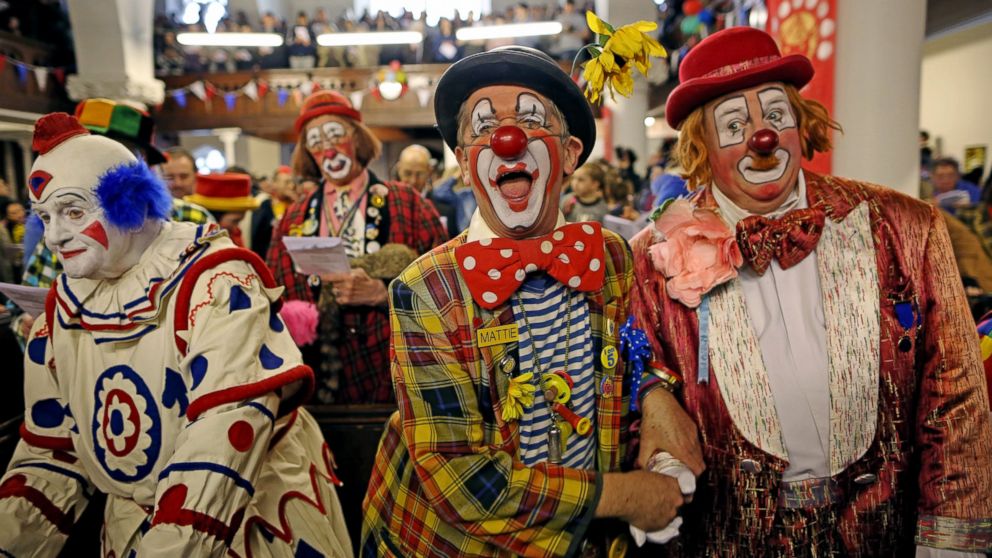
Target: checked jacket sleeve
x=476, y=486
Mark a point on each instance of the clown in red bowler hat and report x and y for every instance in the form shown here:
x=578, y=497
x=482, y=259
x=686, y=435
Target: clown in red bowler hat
x=816, y=329
x=384, y=226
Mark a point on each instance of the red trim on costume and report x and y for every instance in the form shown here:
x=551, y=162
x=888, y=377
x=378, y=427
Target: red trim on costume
x=46, y=442
x=170, y=510
x=285, y=532
x=250, y=391
x=209, y=261
x=16, y=487
x=50, y=310
x=282, y=432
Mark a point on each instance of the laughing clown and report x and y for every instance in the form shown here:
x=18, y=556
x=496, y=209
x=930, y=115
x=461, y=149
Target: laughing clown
x=513, y=415
x=133, y=385
x=818, y=329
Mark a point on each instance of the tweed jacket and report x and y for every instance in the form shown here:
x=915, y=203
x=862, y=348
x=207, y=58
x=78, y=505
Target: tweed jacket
x=910, y=438
x=404, y=219
x=448, y=480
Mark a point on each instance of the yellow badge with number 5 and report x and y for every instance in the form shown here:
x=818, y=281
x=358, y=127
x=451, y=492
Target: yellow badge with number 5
x=489, y=336
x=608, y=357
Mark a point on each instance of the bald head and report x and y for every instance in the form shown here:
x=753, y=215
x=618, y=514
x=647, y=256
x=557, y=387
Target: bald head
x=414, y=167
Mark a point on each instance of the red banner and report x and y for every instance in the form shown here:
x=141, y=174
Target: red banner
x=809, y=27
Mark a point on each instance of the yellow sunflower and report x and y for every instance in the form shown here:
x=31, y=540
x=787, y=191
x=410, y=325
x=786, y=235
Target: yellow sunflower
x=615, y=55
x=519, y=395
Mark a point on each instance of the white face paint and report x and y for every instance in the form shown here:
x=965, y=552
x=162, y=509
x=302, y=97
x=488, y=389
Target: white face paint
x=776, y=109
x=332, y=146
x=77, y=231
x=770, y=175
x=517, y=208
x=731, y=118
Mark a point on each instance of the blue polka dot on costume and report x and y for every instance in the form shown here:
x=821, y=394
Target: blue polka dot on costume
x=199, y=369
x=116, y=423
x=239, y=299
x=275, y=322
x=269, y=359
x=47, y=413
x=36, y=350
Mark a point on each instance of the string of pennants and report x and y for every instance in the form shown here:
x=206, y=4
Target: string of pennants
x=285, y=90
x=41, y=73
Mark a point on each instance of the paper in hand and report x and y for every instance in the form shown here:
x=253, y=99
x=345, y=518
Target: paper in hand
x=313, y=255
x=29, y=299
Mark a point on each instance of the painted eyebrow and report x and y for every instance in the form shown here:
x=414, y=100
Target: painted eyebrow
x=73, y=194
x=720, y=113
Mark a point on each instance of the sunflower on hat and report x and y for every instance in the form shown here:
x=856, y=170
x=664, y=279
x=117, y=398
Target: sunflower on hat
x=615, y=54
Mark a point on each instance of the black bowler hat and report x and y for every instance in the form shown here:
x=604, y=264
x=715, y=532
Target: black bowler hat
x=513, y=65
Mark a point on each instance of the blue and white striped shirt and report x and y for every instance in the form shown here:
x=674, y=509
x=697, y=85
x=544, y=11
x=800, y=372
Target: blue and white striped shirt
x=547, y=303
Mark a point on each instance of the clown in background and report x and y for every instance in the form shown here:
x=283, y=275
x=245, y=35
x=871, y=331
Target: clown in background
x=384, y=226
x=514, y=406
x=228, y=197
x=817, y=329
x=161, y=375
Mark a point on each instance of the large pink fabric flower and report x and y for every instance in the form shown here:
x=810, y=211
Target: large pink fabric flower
x=698, y=251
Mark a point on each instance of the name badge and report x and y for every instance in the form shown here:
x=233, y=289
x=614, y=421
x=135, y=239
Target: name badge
x=490, y=336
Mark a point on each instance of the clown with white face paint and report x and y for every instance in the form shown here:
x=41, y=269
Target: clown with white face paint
x=819, y=324
x=506, y=361
x=198, y=441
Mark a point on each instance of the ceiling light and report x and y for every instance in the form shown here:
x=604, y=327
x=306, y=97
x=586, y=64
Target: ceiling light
x=230, y=39
x=370, y=38
x=510, y=30
x=649, y=121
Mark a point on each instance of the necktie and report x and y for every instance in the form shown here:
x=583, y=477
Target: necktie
x=494, y=268
x=789, y=239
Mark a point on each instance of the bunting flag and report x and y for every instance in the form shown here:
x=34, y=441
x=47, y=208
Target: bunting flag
x=180, y=97
x=22, y=73
x=58, y=72
x=199, y=89
x=41, y=75
x=210, y=90
x=306, y=88
x=424, y=96
x=298, y=97
x=356, y=99
x=283, y=96
x=230, y=99
x=250, y=90
x=262, y=86
x=3, y=62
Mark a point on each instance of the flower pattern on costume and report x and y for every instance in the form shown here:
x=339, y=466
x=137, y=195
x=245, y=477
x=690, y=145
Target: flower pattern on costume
x=126, y=428
x=697, y=251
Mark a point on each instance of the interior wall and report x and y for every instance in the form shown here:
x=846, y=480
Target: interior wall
x=955, y=88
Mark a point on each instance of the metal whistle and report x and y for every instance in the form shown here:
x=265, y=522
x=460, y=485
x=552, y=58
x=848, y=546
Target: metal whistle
x=554, y=443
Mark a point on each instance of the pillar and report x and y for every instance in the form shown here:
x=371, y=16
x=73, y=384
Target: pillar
x=114, y=53
x=877, y=91
x=229, y=137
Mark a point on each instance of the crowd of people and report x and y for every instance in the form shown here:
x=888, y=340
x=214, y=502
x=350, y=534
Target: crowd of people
x=300, y=48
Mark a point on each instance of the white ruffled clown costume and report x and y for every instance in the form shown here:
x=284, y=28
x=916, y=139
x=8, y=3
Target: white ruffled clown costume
x=172, y=387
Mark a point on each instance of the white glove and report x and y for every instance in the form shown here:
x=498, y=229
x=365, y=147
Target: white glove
x=665, y=464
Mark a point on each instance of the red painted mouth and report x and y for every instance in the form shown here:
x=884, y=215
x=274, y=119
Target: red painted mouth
x=66, y=254
x=514, y=185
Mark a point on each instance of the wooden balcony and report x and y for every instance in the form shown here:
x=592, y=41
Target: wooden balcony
x=266, y=118
x=27, y=96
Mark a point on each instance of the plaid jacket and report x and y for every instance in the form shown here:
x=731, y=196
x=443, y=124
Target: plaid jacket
x=405, y=219
x=448, y=480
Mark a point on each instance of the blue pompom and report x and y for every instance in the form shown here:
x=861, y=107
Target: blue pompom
x=130, y=194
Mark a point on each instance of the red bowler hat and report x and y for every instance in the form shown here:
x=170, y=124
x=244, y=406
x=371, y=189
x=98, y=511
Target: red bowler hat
x=730, y=60
x=229, y=191
x=325, y=101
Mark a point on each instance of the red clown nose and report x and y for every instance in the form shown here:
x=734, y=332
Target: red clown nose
x=763, y=141
x=508, y=142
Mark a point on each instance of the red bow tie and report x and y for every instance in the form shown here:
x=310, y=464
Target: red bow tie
x=494, y=268
x=788, y=239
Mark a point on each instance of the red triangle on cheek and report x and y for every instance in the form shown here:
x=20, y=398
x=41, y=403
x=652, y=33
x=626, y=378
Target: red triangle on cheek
x=97, y=232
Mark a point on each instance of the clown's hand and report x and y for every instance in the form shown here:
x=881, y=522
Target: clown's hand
x=665, y=464
x=665, y=426
x=356, y=288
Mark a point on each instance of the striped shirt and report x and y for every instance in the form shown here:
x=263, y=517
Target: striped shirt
x=547, y=304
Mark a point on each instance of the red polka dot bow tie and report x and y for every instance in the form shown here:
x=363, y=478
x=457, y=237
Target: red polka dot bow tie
x=494, y=268
x=789, y=239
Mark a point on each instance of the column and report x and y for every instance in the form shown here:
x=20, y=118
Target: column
x=9, y=171
x=27, y=157
x=877, y=92
x=627, y=128
x=114, y=55
x=229, y=137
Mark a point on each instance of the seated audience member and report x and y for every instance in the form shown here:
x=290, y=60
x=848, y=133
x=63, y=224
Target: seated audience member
x=415, y=169
x=370, y=216
x=586, y=202
x=949, y=190
x=228, y=197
